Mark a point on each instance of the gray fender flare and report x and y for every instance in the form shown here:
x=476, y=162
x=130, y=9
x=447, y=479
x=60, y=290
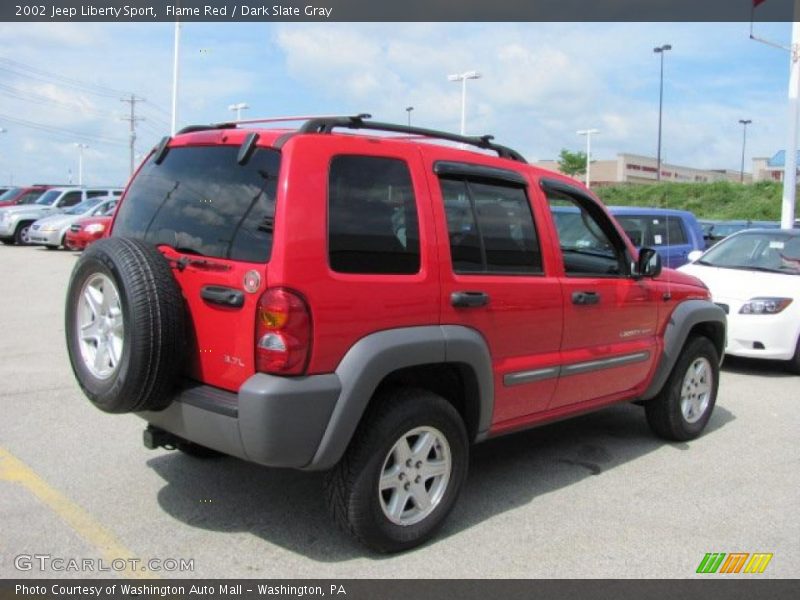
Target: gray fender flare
x=686, y=315
x=377, y=355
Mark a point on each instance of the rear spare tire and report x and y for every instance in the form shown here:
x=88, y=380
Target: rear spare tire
x=125, y=326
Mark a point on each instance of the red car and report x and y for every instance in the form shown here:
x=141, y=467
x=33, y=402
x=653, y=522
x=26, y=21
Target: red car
x=87, y=231
x=327, y=298
x=22, y=195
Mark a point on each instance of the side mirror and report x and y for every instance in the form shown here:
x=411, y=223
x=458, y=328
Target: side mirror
x=694, y=255
x=649, y=263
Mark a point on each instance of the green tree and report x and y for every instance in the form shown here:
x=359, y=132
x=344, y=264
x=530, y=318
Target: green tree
x=572, y=163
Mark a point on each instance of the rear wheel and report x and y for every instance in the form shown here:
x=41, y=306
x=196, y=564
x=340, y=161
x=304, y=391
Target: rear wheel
x=402, y=473
x=683, y=407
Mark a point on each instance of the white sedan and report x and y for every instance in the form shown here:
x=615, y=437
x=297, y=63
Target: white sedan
x=755, y=276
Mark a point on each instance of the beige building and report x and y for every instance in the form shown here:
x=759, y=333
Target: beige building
x=634, y=168
x=769, y=169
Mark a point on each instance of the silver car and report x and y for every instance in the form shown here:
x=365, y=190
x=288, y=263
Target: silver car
x=51, y=231
x=16, y=221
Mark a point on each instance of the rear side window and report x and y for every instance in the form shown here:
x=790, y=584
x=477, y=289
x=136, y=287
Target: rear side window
x=490, y=227
x=372, y=216
x=199, y=200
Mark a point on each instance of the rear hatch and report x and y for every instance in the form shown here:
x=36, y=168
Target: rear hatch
x=212, y=218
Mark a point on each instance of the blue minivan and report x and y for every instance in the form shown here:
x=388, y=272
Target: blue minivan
x=672, y=233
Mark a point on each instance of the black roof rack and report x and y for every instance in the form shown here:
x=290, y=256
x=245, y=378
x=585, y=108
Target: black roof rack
x=327, y=125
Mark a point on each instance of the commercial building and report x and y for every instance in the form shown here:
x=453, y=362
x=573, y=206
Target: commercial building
x=638, y=169
x=770, y=169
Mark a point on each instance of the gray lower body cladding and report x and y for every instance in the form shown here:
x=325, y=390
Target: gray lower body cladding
x=275, y=421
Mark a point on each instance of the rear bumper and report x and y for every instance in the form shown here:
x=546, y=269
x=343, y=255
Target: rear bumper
x=273, y=421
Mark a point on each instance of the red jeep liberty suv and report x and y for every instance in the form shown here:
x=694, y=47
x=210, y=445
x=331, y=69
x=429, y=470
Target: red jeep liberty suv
x=371, y=299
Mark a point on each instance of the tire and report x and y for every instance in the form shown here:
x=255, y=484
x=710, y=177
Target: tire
x=130, y=360
x=21, y=234
x=793, y=364
x=683, y=407
x=352, y=488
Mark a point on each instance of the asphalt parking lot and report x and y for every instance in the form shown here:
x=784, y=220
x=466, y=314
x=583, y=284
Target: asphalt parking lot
x=596, y=496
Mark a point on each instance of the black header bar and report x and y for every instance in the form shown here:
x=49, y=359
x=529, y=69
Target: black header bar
x=406, y=11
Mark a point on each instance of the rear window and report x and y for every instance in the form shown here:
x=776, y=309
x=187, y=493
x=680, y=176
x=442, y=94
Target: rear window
x=199, y=200
x=648, y=230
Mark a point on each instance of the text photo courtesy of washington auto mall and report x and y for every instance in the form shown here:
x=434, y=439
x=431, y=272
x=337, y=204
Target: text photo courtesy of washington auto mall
x=448, y=300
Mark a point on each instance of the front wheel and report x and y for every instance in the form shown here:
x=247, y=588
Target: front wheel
x=402, y=473
x=793, y=365
x=683, y=407
x=22, y=235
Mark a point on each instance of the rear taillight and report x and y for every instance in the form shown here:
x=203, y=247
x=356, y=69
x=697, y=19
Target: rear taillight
x=283, y=333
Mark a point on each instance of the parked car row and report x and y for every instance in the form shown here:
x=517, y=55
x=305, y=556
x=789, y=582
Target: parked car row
x=17, y=221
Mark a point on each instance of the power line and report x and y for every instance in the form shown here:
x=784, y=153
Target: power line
x=32, y=97
x=63, y=132
x=25, y=70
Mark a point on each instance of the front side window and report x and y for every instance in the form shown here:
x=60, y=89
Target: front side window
x=372, y=216
x=490, y=227
x=200, y=200
x=587, y=247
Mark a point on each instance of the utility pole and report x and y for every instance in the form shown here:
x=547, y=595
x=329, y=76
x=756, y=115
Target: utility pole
x=588, y=133
x=132, y=120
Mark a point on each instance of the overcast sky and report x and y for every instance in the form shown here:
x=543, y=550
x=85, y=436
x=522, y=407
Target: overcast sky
x=59, y=84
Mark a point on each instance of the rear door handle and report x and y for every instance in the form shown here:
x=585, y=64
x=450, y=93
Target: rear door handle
x=585, y=297
x=469, y=299
x=225, y=296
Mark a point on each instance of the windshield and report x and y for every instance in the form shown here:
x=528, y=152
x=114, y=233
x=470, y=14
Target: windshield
x=9, y=194
x=48, y=198
x=759, y=251
x=83, y=207
x=199, y=200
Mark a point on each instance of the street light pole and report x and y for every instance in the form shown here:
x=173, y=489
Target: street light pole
x=80, y=148
x=745, y=123
x=660, y=50
x=462, y=77
x=175, y=65
x=408, y=110
x=238, y=108
x=588, y=133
